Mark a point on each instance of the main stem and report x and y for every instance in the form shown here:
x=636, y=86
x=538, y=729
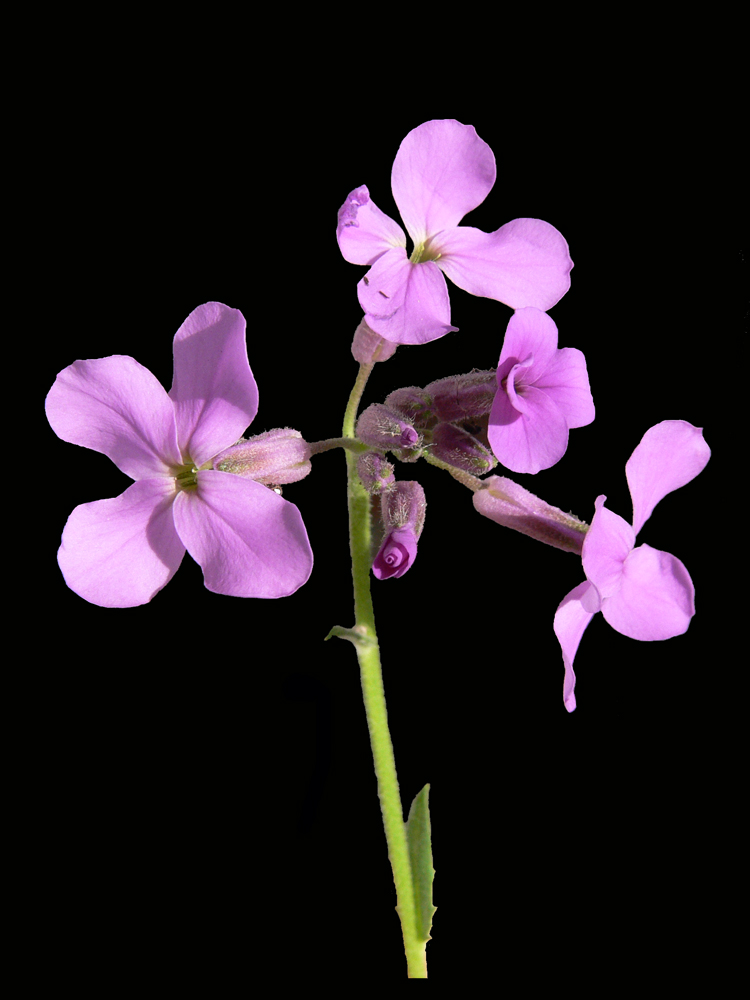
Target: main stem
x=368, y=654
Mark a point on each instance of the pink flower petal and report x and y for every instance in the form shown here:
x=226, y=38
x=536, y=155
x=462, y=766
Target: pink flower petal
x=248, y=541
x=529, y=332
x=117, y=407
x=405, y=303
x=214, y=393
x=119, y=553
x=524, y=263
x=669, y=455
x=363, y=231
x=571, y=620
x=442, y=171
x=607, y=545
x=655, y=599
x=567, y=379
x=527, y=441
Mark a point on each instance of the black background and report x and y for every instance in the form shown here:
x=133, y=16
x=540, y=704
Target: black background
x=202, y=763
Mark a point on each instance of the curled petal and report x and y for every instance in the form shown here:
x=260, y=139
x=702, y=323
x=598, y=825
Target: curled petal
x=119, y=553
x=214, y=393
x=396, y=555
x=442, y=171
x=248, y=541
x=571, y=620
x=609, y=542
x=405, y=303
x=523, y=263
x=116, y=406
x=363, y=231
x=669, y=455
x=655, y=599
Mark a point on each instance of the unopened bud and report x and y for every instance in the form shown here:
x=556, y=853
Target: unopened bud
x=383, y=428
x=509, y=504
x=368, y=346
x=405, y=505
x=413, y=403
x=403, y=512
x=461, y=397
x=375, y=472
x=456, y=447
x=277, y=456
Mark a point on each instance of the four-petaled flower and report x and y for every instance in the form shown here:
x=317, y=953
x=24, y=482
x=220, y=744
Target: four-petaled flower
x=442, y=171
x=542, y=391
x=642, y=592
x=119, y=553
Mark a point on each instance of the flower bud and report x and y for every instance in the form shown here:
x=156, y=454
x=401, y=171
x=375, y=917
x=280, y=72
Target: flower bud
x=274, y=457
x=454, y=445
x=404, y=505
x=402, y=510
x=375, y=473
x=509, y=504
x=461, y=397
x=368, y=346
x=383, y=428
x=413, y=403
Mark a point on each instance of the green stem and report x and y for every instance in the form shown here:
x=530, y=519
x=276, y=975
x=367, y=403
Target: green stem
x=368, y=653
x=351, y=444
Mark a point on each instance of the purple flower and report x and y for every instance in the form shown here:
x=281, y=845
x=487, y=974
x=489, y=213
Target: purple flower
x=642, y=592
x=119, y=553
x=442, y=171
x=542, y=391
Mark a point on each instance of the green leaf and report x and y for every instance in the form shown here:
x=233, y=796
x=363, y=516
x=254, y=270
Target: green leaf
x=359, y=635
x=420, y=856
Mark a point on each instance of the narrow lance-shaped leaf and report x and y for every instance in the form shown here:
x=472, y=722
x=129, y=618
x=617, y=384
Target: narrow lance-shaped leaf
x=420, y=855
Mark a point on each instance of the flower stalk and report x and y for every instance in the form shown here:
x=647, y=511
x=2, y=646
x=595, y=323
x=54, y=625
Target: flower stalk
x=364, y=637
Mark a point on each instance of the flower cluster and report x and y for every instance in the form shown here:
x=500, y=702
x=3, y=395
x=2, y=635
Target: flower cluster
x=202, y=486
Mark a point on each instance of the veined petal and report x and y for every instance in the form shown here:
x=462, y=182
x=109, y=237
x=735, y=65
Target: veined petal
x=531, y=440
x=656, y=597
x=119, y=553
x=571, y=619
x=529, y=332
x=442, y=171
x=405, y=303
x=248, y=541
x=669, y=455
x=363, y=231
x=524, y=263
x=214, y=393
x=116, y=406
x=607, y=545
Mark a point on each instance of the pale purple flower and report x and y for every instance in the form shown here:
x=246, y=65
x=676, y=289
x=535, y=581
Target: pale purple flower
x=442, y=171
x=643, y=593
x=542, y=391
x=119, y=553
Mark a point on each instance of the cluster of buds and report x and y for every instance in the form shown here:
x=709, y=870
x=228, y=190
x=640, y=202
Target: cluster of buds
x=451, y=417
x=402, y=509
